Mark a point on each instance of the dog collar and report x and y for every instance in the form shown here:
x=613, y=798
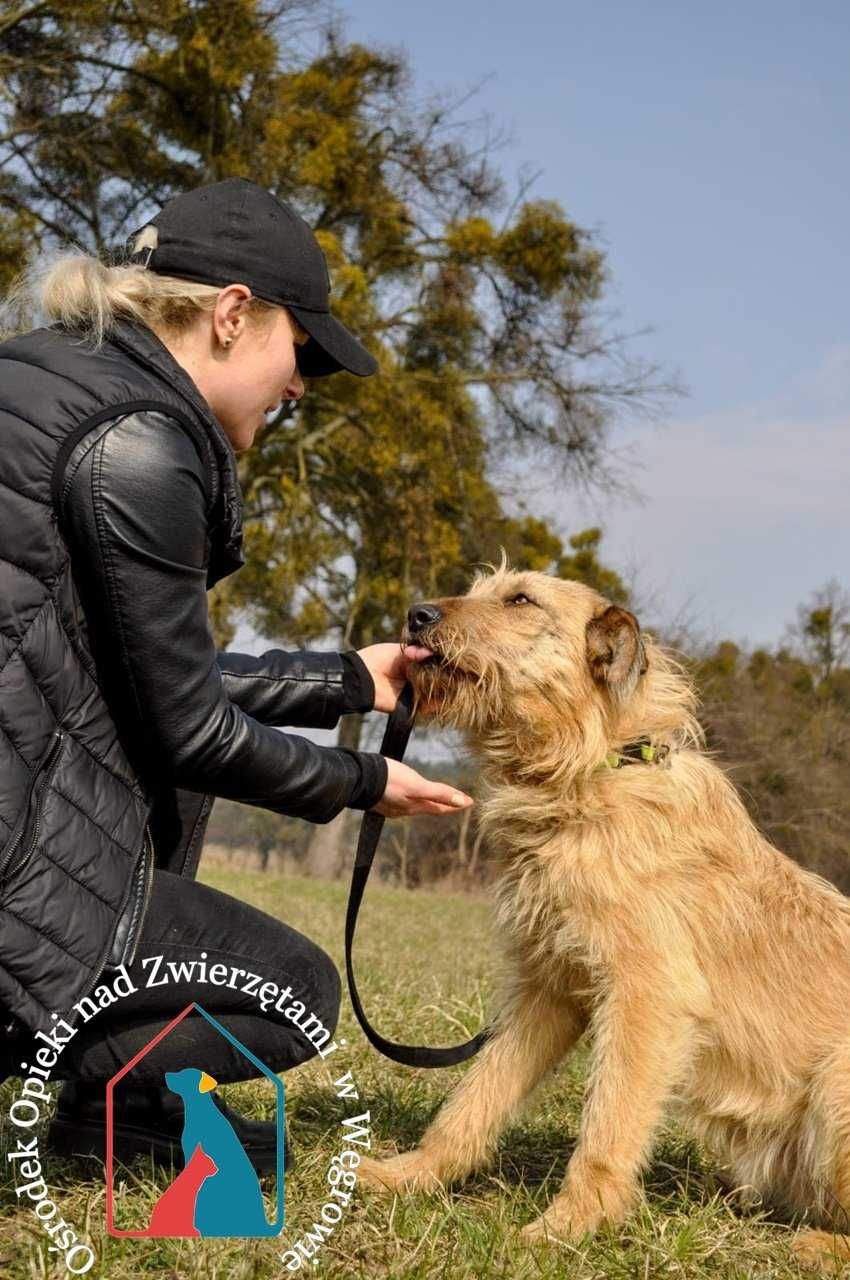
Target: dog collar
x=639, y=751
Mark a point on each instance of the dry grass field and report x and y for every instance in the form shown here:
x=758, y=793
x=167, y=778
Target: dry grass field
x=425, y=969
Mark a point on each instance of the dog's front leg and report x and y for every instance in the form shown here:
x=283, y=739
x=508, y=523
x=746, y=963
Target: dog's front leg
x=532, y=1033
x=639, y=1043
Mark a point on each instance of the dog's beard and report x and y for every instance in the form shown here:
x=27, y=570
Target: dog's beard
x=435, y=682
x=454, y=693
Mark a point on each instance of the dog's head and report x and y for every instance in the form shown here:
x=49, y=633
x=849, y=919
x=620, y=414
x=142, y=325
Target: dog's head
x=540, y=657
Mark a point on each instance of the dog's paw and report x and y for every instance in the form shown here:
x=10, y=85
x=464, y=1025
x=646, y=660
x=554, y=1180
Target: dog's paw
x=408, y=1172
x=550, y=1230
x=822, y=1251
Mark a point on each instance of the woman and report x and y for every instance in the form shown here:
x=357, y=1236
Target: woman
x=119, y=719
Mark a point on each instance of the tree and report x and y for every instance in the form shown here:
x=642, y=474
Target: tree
x=786, y=747
x=821, y=633
x=266, y=831
x=584, y=566
x=485, y=312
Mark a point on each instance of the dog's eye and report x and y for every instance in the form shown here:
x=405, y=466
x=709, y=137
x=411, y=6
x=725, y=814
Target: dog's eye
x=519, y=598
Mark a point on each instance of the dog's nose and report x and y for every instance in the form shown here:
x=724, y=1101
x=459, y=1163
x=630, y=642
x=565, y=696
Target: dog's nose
x=424, y=615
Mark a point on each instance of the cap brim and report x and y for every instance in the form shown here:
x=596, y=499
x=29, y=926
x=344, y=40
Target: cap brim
x=331, y=347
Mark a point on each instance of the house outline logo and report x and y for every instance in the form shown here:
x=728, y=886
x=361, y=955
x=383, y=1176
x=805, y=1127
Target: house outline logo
x=242, y=1197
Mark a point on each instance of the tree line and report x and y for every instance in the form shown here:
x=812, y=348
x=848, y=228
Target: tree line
x=776, y=719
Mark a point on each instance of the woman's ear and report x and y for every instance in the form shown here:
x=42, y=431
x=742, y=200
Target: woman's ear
x=615, y=651
x=229, y=313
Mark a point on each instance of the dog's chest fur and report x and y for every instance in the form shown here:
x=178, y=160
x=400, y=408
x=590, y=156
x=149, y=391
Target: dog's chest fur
x=542, y=927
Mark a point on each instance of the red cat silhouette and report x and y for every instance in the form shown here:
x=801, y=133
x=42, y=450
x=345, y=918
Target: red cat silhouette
x=174, y=1212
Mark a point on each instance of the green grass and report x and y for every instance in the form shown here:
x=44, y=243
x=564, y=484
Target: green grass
x=425, y=966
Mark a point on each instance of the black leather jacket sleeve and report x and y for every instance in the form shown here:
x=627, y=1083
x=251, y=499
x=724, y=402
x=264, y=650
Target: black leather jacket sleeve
x=135, y=516
x=310, y=688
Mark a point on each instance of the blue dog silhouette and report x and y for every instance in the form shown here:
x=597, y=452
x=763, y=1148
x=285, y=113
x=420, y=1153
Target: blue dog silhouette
x=230, y=1203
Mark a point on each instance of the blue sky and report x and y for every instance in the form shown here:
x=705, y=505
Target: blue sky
x=707, y=146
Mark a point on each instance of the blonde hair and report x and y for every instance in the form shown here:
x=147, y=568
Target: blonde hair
x=87, y=296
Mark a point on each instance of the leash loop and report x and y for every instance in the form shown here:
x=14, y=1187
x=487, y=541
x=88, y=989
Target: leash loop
x=394, y=744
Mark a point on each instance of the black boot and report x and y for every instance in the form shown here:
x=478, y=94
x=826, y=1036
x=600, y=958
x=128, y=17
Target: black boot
x=148, y=1121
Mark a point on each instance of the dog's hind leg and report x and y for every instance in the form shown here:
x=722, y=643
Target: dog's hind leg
x=534, y=1030
x=829, y=1251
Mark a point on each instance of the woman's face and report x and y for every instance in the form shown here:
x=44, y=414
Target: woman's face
x=242, y=367
x=257, y=372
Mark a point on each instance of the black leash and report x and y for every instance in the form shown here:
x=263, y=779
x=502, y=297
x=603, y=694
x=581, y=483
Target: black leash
x=396, y=735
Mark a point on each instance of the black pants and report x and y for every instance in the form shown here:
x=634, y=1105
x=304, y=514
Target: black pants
x=184, y=919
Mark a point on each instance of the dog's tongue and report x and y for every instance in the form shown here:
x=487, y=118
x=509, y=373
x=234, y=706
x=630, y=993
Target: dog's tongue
x=416, y=653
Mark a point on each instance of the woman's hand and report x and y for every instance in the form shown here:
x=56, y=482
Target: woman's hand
x=388, y=666
x=407, y=792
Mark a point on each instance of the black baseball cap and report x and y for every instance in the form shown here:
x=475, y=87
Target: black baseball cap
x=237, y=232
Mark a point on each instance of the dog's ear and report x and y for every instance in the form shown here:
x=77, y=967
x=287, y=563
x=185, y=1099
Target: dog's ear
x=615, y=650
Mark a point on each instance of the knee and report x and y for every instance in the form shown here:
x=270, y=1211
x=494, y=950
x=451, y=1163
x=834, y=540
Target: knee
x=328, y=986
x=317, y=1024
x=320, y=984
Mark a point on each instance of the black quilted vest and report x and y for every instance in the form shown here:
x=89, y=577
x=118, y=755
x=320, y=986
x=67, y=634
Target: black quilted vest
x=75, y=847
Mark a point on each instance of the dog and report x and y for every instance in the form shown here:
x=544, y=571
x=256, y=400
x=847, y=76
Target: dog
x=637, y=902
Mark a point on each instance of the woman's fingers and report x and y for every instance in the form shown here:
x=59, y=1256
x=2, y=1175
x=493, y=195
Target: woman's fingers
x=442, y=797
x=407, y=792
x=434, y=806
x=456, y=799
x=423, y=805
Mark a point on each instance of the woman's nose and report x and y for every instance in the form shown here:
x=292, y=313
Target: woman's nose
x=294, y=387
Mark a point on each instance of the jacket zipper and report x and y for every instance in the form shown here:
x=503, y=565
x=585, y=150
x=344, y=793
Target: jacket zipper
x=132, y=943
x=32, y=821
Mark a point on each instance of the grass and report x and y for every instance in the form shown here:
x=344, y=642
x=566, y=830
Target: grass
x=425, y=967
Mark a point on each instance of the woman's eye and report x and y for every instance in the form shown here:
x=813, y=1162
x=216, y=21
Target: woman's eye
x=519, y=598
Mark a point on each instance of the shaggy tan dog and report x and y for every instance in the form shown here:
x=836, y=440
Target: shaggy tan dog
x=641, y=904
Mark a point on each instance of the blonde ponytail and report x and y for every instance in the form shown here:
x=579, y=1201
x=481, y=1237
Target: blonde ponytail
x=87, y=296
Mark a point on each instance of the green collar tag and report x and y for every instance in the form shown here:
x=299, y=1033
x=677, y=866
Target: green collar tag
x=634, y=753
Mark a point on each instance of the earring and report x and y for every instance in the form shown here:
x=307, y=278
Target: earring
x=227, y=341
